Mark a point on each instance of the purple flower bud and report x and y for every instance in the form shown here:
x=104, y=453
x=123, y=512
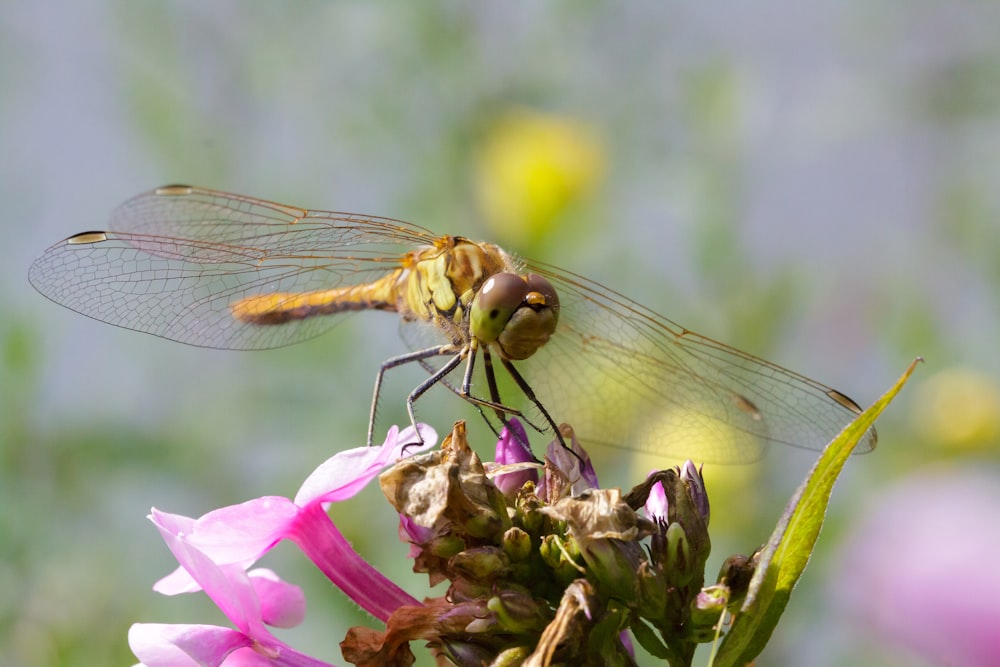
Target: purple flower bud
x=512, y=448
x=695, y=484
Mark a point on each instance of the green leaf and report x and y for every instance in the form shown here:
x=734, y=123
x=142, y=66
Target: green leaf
x=787, y=551
x=648, y=639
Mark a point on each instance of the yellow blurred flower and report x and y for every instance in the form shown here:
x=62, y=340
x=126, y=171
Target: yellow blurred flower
x=531, y=167
x=959, y=407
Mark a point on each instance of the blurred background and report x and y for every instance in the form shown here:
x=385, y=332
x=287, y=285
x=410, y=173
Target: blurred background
x=813, y=184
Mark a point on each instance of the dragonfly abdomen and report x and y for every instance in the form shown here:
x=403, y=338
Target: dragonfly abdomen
x=282, y=307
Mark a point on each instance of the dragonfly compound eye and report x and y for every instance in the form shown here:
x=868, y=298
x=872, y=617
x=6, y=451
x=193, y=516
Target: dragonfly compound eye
x=516, y=313
x=542, y=295
x=495, y=303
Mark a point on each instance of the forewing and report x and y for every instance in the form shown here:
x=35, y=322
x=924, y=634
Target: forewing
x=177, y=258
x=622, y=375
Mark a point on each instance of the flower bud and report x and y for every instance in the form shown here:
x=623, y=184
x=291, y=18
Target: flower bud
x=512, y=448
x=613, y=565
x=464, y=653
x=519, y=612
x=694, y=484
x=559, y=554
x=517, y=544
x=681, y=545
x=677, y=552
x=465, y=589
x=482, y=563
x=708, y=606
x=510, y=657
x=527, y=507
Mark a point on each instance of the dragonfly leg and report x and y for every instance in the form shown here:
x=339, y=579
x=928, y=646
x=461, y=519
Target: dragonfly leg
x=419, y=355
x=495, y=403
x=502, y=412
x=474, y=401
x=530, y=393
x=465, y=393
x=491, y=382
x=439, y=375
x=466, y=389
x=421, y=388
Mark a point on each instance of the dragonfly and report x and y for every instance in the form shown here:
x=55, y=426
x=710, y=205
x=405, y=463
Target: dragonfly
x=221, y=270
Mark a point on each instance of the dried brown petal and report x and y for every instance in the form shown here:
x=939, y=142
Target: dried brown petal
x=598, y=514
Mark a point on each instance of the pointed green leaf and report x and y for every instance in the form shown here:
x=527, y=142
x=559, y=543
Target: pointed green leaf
x=788, y=550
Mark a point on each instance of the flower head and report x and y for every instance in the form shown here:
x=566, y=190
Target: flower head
x=556, y=572
x=538, y=570
x=215, y=551
x=918, y=571
x=251, y=601
x=241, y=534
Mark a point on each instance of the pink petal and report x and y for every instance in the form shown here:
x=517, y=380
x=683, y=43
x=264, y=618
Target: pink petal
x=327, y=548
x=157, y=644
x=177, y=524
x=238, y=534
x=411, y=531
x=210, y=535
x=163, y=645
x=248, y=657
x=656, y=503
x=283, y=605
x=176, y=583
x=227, y=585
x=284, y=657
x=245, y=531
x=347, y=472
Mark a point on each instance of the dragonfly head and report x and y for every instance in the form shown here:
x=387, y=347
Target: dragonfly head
x=516, y=313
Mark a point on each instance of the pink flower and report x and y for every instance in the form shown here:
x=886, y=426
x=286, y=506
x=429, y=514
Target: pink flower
x=920, y=569
x=215, y=551
x=249, y=600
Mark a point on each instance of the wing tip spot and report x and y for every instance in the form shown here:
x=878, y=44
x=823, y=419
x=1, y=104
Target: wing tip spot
x=844, y=400
x=173, y=190
x=85, y=238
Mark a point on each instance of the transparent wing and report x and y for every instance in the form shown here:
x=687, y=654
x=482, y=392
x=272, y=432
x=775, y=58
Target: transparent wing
x=622, y=375
x=176, y=259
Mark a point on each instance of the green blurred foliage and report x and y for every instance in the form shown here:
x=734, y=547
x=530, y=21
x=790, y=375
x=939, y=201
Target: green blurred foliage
x=819, y=189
